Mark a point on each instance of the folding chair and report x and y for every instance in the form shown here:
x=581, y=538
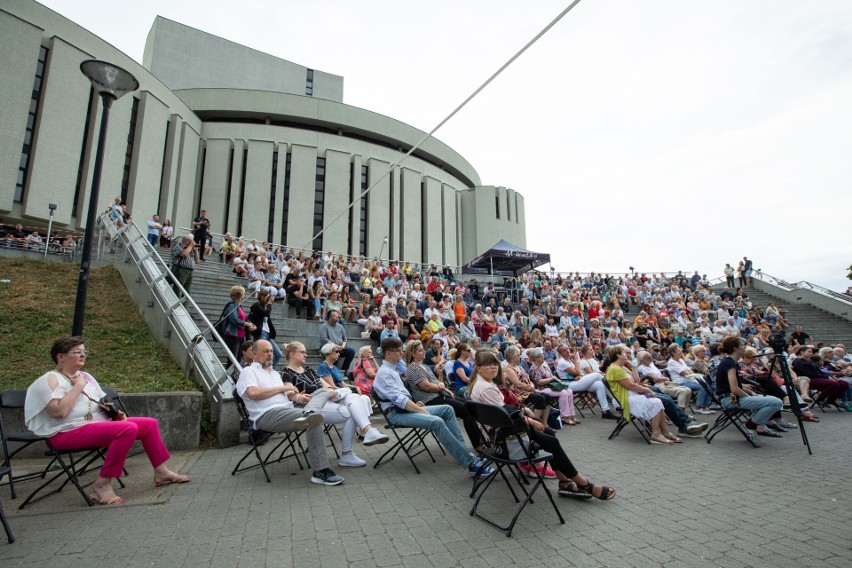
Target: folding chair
x=726, y=417
x=79, y=461
x=585, y=400
x=412, y=442
x=497, y=427
x=642, y=426
x=291, y=442
x=5, y=470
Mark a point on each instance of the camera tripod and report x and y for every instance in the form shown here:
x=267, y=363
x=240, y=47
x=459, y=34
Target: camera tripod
x=780, y=361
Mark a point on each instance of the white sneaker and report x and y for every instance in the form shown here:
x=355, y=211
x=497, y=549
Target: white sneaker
x=374, y=437
x=351, y=460
x=308, y=419
x=704, y=411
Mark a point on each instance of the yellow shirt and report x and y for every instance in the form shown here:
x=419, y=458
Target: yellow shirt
x=614, y=376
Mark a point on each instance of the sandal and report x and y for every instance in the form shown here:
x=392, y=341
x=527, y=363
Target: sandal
x=605, y=493
x=673, y=438
x=571, y=489
x=114, y=500
x=768, y=433
x=660, y=439
x=809, y=418
x=178, y=478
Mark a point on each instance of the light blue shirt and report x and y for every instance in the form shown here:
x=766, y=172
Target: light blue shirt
x=388, y=384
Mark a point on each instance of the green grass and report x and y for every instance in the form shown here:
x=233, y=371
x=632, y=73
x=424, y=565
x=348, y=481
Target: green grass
x=37, y=307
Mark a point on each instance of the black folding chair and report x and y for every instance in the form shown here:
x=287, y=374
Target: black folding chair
x=72, y=464
x=727, y=416
x=585, y=401
x=412, y=442
x=498, y=427
x=290, y=444
x=642, y=426
x=4, y=471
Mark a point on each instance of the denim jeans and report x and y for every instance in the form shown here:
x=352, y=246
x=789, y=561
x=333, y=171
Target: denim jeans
x=441, y=421
x=702, y=399
x=764, y=407
x=673, y=411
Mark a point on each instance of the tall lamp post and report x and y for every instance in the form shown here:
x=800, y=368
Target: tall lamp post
x=52, y=208
x=111, y=83
x=382, y=249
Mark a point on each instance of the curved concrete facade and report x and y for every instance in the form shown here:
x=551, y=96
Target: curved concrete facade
x=271, y=164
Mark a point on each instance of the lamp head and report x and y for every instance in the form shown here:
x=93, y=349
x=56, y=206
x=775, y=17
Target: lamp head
x=108, y=79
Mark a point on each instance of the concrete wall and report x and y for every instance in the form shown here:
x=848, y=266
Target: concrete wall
x=186, y=58
x=834, y=306
x=179, y=415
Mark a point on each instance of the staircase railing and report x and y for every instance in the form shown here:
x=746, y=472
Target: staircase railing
x=174, y=319
x=803, y=285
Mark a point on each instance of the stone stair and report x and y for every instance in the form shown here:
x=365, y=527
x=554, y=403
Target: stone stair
x=211, y=285
x=821, y=325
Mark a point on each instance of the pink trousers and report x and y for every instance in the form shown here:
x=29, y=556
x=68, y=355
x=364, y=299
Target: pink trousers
x=117, y=437
x=566, y=400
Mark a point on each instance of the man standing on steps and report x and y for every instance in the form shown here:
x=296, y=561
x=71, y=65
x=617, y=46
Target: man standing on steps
x=183, y=262
x=332, y=331
x=748, y=266
x=200, y=227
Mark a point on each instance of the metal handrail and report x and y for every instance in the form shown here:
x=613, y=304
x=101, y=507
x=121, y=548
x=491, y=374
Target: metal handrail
x=803, y=285
x=132, y=235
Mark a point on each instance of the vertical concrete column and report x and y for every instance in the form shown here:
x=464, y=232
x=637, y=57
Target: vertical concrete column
x=337, y=169
x=278, y=221
x=185, y=184
x=236, y=181
x=55, y=156
x=300, y=222
x=258, y=192
x=145, y=175
x=378, y=205
x=214, y=190
x=18, y=60
x=433, y=217
x=411, y=214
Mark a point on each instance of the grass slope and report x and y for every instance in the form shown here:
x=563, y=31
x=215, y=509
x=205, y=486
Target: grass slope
x=37, y=307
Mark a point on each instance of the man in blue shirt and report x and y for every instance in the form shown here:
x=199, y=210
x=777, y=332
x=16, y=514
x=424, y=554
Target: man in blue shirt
x=403, y=411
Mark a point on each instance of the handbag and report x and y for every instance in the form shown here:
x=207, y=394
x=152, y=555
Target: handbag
x=557, y=385
x=106, y=404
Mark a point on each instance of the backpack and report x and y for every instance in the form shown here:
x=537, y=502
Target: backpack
x=219, y=326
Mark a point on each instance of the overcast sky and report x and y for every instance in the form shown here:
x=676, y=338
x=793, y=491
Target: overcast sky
x=660, y=134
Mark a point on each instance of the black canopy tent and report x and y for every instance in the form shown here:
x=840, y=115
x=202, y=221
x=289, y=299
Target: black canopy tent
x=505, y=259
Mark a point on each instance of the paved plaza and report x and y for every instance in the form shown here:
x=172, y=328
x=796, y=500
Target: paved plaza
x=691, y=505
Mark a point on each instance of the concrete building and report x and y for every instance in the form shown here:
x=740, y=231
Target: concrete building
x=265, y=145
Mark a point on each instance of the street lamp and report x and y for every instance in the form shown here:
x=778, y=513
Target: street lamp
x=382, y=250
x=52, y=207
x=632, y=271
x=552, y=273
x=111, y=82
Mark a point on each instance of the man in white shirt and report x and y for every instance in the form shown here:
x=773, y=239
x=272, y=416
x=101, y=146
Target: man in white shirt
x=271, y=404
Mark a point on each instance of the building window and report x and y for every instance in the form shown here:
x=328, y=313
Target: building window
x=351, y=209
x=230, y=179
x=497, y=204
x=84, y=150
x=319, y=202
x=271, y=228
x=163, y=167
x=128, y=154
x=362, y=245
x=508, y=207
x=309, y=83
x=29, y=133
x=285, y=215
x=242, y=190
x=424, y=215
